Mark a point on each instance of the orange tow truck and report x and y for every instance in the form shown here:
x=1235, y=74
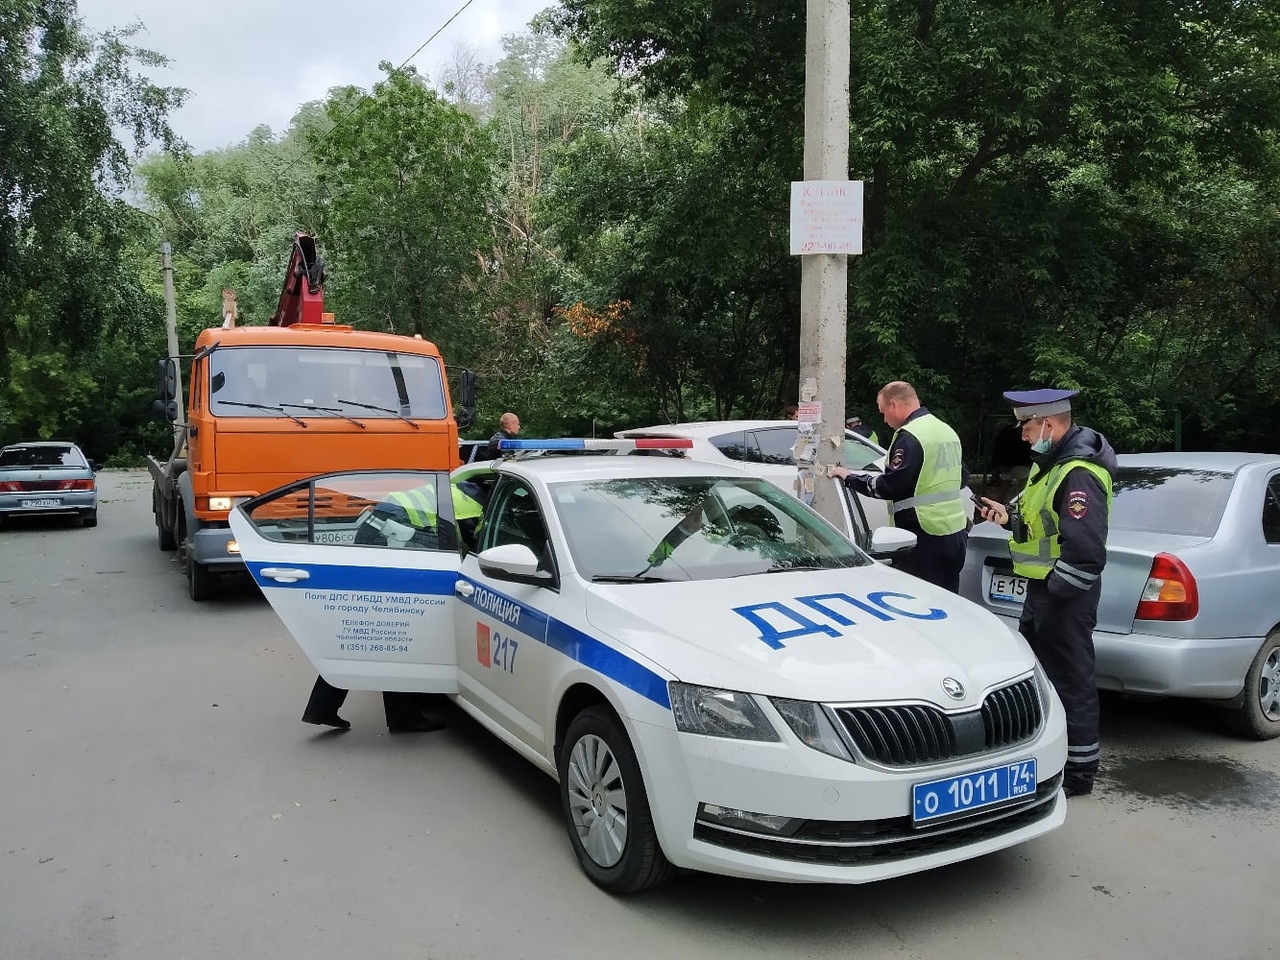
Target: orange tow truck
x=301, y=396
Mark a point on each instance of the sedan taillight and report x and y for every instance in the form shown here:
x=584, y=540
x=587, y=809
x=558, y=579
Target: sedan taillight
x=10, y=486
x=76, y=485
x=1170, y=593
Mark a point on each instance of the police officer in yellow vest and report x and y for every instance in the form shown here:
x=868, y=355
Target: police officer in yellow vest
x=413, y=519
x=923, y=476
x=405, y=517
x=1059, y=535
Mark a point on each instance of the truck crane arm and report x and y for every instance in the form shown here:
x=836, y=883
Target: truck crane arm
x=302, y=296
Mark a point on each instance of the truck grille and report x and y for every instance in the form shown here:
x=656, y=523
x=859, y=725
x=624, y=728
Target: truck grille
x=914, y=734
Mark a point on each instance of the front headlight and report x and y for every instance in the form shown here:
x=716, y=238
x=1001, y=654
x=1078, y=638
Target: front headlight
x=225, y=503
x=810, y=723
x=719, y=713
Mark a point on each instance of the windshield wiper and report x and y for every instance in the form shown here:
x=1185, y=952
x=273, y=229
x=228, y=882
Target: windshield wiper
x=606, y=578
x=333, y=410
x=262, y=406
x=829, y=563
x=394, y=413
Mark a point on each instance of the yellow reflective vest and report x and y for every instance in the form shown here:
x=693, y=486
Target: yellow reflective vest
x=937, y=498
x=419, y=504
x=1040, y=542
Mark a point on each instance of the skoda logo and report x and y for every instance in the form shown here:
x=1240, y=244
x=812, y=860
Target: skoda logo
x=953, y=688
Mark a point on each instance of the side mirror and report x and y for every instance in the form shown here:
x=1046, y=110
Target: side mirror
x=512, y=561
x=166, y=410
x=888, y=543
x=465, y=415
x=167, y=380
x=95, y=465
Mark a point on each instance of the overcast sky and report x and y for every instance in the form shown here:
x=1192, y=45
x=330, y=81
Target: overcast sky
x=249, y=62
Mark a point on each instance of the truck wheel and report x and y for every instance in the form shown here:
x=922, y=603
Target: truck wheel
x=1258, y=718
x=605, y=807
x=164, y=534
x=201, y=583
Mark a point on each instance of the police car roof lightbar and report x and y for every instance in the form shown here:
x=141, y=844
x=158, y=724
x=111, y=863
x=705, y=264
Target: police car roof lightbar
x=579, y=443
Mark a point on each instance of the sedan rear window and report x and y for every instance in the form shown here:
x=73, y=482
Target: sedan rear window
x=42, y=457
x=1170, y=500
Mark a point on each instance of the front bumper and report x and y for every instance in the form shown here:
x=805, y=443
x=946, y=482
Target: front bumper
x=209, y=547
x=857, y=817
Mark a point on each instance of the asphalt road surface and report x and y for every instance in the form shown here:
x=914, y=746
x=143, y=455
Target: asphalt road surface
x=162, y=800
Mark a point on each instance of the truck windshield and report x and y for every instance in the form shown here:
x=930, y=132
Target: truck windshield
x=385, y=384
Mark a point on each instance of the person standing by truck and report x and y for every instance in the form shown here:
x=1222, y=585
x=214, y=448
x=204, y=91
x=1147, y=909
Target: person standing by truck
x=508, y=429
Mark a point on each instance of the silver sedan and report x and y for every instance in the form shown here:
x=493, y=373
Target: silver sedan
x=46, y=476
x=1190, y=602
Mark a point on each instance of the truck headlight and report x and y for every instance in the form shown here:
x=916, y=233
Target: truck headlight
x=810, y=723
x=225, y=503
x=719, y=713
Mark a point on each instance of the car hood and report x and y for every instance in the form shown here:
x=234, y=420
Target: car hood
x=868, y=633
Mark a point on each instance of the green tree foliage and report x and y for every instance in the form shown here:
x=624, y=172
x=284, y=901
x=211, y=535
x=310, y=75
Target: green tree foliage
x=1038, y=178
x=231, y=215
x=407, y=184
x=68, y=296
x=540, y=101
x=674, y=214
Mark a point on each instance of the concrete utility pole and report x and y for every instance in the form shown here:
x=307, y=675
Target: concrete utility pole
x=171, y=330
x=824, y=297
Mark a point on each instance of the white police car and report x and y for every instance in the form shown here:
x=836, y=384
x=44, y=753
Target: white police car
x=717, y=679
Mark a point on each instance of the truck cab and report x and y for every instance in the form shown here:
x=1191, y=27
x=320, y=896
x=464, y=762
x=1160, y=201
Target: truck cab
x=272, y=404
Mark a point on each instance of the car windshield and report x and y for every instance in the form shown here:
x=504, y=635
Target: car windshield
x=693, y=528
x=283, y=382
x=1170, y=500
x=43, y=456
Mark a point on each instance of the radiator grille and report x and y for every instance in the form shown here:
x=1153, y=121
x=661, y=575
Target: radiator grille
x=915, y=734
x=1011, y=714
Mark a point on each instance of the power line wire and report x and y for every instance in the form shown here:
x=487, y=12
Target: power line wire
x=366, y=97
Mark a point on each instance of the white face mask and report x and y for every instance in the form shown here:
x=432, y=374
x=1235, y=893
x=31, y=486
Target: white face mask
x=1043, y=444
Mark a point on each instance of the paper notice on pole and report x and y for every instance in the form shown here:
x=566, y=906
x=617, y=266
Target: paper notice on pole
x=826, y=216
x=809, y=412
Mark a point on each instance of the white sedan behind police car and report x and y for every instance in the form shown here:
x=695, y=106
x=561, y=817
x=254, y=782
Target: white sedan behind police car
x=718, y=680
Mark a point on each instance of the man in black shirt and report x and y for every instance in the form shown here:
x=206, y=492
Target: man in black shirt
x=508, y=428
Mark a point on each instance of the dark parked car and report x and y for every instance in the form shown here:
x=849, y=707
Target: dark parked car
x=1190, y=601
x=43, y=477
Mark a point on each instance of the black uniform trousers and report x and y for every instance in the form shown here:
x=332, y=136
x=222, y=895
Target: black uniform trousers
x=401, y=709
x=1060, y=632
x=937, y=559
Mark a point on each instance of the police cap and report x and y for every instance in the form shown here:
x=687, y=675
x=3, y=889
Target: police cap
x=1029, y=404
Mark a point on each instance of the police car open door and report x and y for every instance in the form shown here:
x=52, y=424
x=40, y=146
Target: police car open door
x=361, y=569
